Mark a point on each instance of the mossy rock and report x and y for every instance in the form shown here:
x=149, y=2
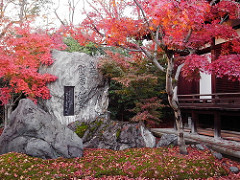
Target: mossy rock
x=87, y=130
x=118, y=133
x=81, y=129
x=95, y=125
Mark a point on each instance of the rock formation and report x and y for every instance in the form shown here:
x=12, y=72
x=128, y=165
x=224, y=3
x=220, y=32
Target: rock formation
x=167, y=140
x=34, y=132
x=116, y=135
x=90, y=88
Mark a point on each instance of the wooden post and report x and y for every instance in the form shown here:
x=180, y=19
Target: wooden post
x=174, y=126
x=217, y=125
x=194, y=123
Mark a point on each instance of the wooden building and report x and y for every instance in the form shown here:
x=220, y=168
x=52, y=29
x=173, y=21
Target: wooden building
x=211, y=105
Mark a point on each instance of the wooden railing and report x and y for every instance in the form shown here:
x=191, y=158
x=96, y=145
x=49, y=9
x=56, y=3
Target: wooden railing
x=208, y=101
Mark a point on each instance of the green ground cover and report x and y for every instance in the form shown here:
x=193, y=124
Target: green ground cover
x=140, y=163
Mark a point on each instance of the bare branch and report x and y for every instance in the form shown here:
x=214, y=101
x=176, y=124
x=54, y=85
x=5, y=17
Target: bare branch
x=22, y=10
x=4, y=6
x=148, y=24
x=224, y=19
x=144, y=16
x=158, y=65
x=142, y=11
x=17, y=99
x=156, y=45
x=57, y=16
x=95, y=9
x=178, y=71
x=146, y=53
x=61, y=21
x=69, y=10
x=2, y=9
x=95, y=28
x=72, y=7
x=213, y=2
x=73, y=12
x=188, y=36
x=154, y=59
x=4, y=31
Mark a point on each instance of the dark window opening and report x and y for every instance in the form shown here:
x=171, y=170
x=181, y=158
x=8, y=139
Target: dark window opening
x=206, y=121
x=231, y=123
x=68, y=109
x=223, y=85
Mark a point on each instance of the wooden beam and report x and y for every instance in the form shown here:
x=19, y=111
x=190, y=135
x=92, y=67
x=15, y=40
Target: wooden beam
x=217, y=125
x=231, y=148
x=194, y=122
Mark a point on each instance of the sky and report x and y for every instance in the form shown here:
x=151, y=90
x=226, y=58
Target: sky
x=62, y=9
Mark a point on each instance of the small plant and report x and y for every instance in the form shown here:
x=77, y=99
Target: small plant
x=118, y=133
x=148, y=111
x=87, y=130
x=81, y=129
x=135, y=83
x=95, y=125
x=90, y=48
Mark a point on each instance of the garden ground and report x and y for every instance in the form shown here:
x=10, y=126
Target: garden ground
x=138, y=163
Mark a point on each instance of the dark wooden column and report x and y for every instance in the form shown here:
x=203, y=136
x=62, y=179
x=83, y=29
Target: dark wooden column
x=217, y=125
x=194, y=122
x=213, y=58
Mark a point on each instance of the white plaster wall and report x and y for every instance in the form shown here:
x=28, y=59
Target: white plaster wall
x=206, y=82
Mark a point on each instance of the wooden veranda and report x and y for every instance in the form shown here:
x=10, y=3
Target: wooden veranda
x=216, y=101
x=218, y=105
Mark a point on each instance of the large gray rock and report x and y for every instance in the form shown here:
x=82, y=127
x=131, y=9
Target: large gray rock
x=218, y=155
x=167, y=140
x=234, y=169
x=116, y=135
x=200, y=147
x=90, y=88
x=34, y=132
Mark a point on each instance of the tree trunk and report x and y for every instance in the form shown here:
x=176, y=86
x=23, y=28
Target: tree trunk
x=8, y=108
x=171, y=88
x=5, y=116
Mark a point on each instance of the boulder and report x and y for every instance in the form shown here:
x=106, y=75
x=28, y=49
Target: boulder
x=80, y=71
x=218, y=155
x=200, y=147
x=116, y=135
x=167, y=140
x=234, y=169
x=34, y=132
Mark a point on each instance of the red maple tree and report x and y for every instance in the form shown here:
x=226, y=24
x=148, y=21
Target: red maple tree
x=22, y=53
x=171, y=29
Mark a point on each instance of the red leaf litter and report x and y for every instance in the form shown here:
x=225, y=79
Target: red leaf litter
x=227, y=163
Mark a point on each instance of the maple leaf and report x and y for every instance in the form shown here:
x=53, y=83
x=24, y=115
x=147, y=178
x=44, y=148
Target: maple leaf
x=22, y=54
x=174, y=28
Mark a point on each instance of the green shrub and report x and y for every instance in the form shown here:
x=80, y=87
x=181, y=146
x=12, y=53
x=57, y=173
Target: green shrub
x=90, y=48
x=144, y=82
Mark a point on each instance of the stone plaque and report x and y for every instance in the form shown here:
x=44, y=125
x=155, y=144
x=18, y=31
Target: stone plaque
x=68, y=109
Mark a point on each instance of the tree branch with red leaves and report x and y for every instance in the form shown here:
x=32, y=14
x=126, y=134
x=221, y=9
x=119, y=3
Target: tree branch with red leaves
x=170, y=28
